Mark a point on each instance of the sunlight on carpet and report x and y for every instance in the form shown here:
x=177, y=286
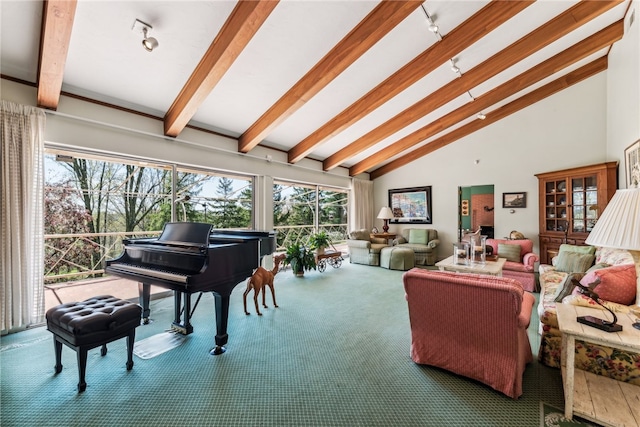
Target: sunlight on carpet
x=157, y=344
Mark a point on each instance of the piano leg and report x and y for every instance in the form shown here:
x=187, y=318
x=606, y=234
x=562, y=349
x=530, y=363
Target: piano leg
x=184, y=328
x=222, y=315
x=144, y=293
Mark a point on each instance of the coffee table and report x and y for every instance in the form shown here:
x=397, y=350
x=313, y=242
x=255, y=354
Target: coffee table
x=594, y=397
x=493, y=268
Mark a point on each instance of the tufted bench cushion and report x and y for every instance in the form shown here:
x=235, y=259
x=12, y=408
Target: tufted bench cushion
x=92, y=323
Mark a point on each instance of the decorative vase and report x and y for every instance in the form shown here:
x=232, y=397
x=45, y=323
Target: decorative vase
x=478, y=249
x=461, y=253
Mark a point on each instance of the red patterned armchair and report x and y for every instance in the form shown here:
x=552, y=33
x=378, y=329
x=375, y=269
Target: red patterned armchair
x=473, y=325
x=520, y=263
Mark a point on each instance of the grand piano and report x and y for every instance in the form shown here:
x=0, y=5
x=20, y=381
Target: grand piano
x=191, y=257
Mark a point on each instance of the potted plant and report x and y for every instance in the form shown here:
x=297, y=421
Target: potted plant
x=300, y=258
x=319, y=241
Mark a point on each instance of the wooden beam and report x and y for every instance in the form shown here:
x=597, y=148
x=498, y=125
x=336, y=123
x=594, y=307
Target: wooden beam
x=561, y=25
x=463, y=36
x=579, y=51
x=241, y=25
x=57, y=23
x=531, y=98
x=368, y=32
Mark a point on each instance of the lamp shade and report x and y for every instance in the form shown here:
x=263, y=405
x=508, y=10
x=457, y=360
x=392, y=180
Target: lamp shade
x=385, y=213
x=619, y=225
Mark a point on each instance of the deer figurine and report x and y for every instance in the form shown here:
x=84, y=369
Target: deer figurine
x=257, y=282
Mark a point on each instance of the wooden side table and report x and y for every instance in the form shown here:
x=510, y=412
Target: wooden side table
x=388, y=236
x=594, y=397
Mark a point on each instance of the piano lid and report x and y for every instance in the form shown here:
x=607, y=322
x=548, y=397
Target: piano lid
x=185, y=233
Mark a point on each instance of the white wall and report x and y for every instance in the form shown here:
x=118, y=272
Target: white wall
x=565, y=130
x=623, y=91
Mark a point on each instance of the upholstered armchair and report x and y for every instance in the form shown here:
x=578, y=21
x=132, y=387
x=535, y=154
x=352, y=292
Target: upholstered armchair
x=424, y=243
x=520, y=260
x=473, y=325
x=363, y=249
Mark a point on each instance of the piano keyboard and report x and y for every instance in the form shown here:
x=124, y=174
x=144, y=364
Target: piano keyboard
x=151, y=272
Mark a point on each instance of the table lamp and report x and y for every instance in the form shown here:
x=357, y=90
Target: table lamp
x=619, y=227
x=385, y=214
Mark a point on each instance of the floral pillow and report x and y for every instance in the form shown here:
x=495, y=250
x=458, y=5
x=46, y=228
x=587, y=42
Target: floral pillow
x=617, y=283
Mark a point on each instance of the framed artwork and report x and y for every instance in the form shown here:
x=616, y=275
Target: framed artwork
x=411, y=205
x=632, y=165
x=514, y=200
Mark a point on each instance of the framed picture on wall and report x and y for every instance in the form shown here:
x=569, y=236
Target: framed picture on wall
x=411, y=205
x=632, y=165
x=514, y=200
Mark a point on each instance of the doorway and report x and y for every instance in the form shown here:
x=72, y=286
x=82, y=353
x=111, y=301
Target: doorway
x=475, y=211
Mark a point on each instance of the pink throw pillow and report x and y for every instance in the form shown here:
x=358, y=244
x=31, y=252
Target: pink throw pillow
x=617, y=283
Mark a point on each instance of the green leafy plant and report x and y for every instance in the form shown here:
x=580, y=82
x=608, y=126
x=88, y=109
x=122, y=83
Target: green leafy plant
x=319, y=240
x=300, y=258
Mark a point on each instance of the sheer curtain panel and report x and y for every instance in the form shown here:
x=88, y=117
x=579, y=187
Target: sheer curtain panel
x=21, y=222
x=361, y=201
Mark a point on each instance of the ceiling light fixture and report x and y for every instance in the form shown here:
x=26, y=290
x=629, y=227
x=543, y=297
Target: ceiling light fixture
x=149, y=43
x=433, y=27
x=455, y=68
x=481, y=116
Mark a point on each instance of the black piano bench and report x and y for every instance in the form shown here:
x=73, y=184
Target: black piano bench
x=92, y=323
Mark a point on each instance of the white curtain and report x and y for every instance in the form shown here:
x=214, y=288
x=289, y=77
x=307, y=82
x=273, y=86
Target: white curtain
x=361, y=205
x=21, y=222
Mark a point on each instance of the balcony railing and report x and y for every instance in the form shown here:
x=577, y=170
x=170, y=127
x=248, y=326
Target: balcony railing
x=62, y=260
x=80, y=256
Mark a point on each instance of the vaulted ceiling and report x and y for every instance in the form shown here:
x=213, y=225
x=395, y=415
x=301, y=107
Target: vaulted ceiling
x=367, y=85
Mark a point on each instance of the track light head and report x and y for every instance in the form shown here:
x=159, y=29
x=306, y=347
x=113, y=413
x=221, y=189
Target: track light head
x=149, y=43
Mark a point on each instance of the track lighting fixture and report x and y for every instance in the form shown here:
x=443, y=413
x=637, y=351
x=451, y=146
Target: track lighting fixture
x=454, y=67
x=433, y=27
x=149, y=43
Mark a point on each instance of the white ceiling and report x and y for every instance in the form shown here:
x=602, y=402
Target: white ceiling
x=106, y=61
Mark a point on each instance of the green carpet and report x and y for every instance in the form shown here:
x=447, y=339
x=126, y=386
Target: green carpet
x=335, y=353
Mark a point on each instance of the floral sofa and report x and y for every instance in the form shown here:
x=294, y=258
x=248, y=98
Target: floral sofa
x=555, y=289
x=520, y=262
x=424, y=243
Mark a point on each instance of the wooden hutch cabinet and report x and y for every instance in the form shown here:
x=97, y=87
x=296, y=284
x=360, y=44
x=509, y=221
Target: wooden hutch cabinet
x=571, y=201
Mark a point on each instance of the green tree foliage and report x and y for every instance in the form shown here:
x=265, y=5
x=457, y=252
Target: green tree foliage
x=303, y=206
x=228, y=212
x=65, y=214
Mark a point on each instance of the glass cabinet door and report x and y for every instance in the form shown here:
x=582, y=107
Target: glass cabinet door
x=584, y=204
x=556, y=205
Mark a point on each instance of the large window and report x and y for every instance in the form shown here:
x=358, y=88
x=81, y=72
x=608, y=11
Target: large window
x=301, y=209
x=92, y=202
